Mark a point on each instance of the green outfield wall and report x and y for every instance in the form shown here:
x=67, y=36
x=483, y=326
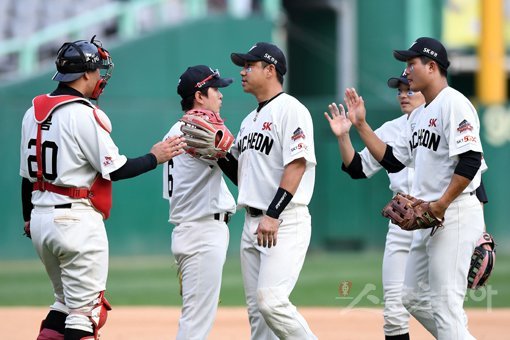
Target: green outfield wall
x=142, y=104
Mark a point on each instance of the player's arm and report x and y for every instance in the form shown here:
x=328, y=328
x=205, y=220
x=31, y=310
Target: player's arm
x=268, y=226
x=482, y=197
x=26, y=203
x=465, y=171
x=340, y=126
x=134, y=167
x=229, y=167
x=161, y=152
x=382, y=152
x=26, y=198
x=481, y=194
x=291, y=178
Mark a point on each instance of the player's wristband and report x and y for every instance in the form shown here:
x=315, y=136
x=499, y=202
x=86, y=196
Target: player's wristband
x=280, y=201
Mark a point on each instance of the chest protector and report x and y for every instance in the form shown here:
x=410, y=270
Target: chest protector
x=100, y=192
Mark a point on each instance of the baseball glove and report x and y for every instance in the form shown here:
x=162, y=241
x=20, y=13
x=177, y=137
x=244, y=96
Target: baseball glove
x=410, y=213
x=206, y=134
x=482, y=262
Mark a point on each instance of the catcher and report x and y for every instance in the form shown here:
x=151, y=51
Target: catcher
x=199, y=201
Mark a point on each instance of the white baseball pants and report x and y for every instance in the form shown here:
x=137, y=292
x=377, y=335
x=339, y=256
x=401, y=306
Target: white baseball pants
x=436, y=275
x=73, y=246
x=270, y=274
x=200, y=249
x=396, y=253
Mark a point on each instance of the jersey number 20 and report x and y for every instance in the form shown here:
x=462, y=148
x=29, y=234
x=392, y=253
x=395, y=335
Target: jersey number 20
x=48, y=149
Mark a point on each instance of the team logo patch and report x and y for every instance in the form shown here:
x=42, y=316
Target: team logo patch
x=464, y=126
x=432, y=122
x=107, y=161
x=298, y=133
x=465, y=140
x=267, y=126
x=297, y=148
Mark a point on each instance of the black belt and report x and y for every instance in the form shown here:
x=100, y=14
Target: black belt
x=253, y=212
x=64, y=206
x=226, y=217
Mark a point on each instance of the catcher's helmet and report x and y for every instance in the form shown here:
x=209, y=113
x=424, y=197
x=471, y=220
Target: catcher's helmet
x=482, y=261
x=75, y=58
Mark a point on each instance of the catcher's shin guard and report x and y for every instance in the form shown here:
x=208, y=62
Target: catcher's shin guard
x=53, y=327
x=99, y=313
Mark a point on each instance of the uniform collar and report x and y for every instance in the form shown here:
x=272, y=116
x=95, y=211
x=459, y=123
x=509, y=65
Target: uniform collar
x=265, y=102
x=63, y=89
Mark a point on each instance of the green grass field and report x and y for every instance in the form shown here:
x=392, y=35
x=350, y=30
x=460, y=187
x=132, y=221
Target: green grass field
x=153, y=281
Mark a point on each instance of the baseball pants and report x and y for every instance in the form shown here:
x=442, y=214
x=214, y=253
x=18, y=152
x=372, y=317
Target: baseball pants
x=435, y=284
x=270, y=274
x=200, y=249
x=73, y=246
x=396, y=253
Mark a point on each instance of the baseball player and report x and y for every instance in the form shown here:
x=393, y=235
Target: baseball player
x=273, y=163
x=67, y=162
x=363, y=165
x=200, y=208
x=442, y=144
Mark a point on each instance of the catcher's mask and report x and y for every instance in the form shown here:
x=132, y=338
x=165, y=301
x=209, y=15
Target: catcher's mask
x=76, y=58
x=482, y=261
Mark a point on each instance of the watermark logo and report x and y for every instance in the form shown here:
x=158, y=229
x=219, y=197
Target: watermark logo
x=344, y=288
x=414, y=299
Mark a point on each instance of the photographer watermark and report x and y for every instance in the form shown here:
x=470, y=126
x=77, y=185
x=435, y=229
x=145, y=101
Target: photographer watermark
x=368, y=293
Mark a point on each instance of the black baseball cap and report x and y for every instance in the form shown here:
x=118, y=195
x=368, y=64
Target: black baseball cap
x=262, y=51
x=427, y=47
x=395, y=82
x=200, y=77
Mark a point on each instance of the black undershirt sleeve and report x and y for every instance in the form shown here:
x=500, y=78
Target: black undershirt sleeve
x=229, y=167
x=469, y=163
x=390, y=162
x=355, y=169
x=481, y=194
x=135, y=167
x=26, y=198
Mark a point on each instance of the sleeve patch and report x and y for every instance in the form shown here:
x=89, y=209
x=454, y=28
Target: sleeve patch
x=298, y=148
x=107, y=161
x=464, y=126
x=466, y=140
x=297, y=134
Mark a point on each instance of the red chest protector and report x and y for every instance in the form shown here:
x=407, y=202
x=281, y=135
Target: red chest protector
x=100, y=192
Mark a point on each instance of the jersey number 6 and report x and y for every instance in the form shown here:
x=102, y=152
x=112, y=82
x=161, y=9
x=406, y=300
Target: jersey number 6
x=170, y=178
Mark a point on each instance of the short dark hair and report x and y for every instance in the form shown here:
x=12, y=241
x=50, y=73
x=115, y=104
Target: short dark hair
x=279, y=76
x=425, y=60
x=188, y=102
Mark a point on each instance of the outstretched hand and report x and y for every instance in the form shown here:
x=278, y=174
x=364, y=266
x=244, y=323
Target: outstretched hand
x=355, y=106
x=338, y=121
x=169, y=148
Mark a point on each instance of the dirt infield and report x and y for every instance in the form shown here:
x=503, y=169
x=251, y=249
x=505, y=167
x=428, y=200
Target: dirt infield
x=155, y=323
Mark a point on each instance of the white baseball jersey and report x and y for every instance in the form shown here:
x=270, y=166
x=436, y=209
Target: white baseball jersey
x=269, y=140
x=194, y=187
x=436, y=135
x=388, y=132
x=74, y=149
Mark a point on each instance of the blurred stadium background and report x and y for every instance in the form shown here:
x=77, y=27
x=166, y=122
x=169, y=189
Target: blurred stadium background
x=330, y=44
